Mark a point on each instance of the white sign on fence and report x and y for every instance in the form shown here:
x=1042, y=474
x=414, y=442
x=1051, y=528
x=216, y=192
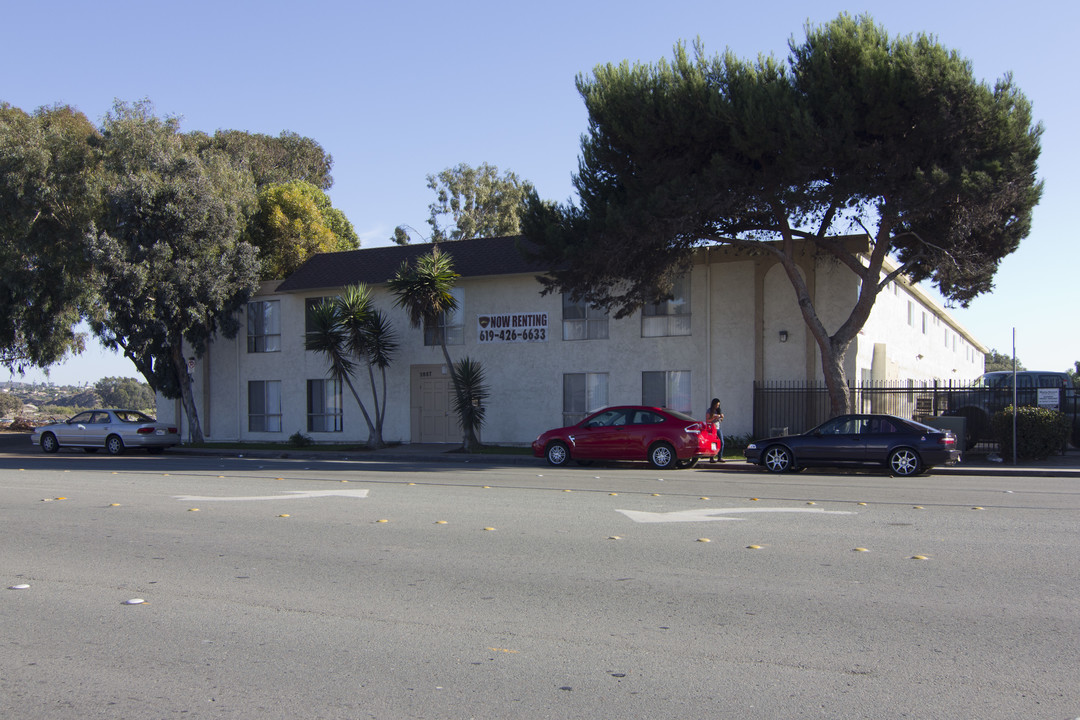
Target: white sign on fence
x=1049, y=398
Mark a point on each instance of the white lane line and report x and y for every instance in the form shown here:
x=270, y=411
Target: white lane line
x=714, y=514
x=290, y=495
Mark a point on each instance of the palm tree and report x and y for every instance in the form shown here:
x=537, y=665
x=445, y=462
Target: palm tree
x=347, y=330
x=424, y=292
x=469, y=401
x=377, y=346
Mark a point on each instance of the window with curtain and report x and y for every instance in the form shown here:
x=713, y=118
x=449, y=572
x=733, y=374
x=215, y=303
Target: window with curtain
x=582, y=394
x=323, y=406
x=670, y=317
x=264, y=406
x=667, y=389
x=264, y=326
x=582, y=321
x=309, y=306
x=449, y=325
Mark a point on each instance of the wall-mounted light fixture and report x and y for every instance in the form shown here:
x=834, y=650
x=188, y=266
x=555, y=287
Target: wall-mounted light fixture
x=783, y=336
x=919, y=356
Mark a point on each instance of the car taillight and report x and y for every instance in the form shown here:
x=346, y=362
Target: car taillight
x=145, y=430
x=173, y=430
x=695, y=428
x=947, y=440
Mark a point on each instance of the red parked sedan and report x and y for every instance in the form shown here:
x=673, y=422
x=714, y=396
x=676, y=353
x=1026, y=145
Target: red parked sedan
x=666, y=438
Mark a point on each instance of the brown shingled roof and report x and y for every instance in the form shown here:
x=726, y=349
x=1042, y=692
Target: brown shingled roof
x=478, y=256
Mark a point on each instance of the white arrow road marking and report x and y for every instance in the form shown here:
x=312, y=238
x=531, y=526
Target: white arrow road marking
x=292, y=495
x=707, y=515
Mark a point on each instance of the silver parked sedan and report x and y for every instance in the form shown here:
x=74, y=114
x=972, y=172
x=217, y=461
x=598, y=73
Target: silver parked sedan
x=114, y=430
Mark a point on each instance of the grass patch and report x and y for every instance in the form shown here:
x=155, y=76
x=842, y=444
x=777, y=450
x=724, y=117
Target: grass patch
x=499, y=450
x=347, y=448
x=281, y=446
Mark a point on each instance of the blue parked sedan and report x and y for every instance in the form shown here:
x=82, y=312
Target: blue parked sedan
x=905, y=447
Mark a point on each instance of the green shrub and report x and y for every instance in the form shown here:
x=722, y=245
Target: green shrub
x=10, y=405
x=62, y=412
x=299, y=439
x=735, y=444
x=1040, y=432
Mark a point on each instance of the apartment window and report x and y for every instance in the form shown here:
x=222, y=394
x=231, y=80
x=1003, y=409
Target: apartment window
x=450, y=325
x=667, y=389
x=582, y=394
x=670, y=317
x=924, y=323
x=323, y=406
x=309, y=307
x=264, y=406
x=582, y=321
x=911, y=313
x=264, y=326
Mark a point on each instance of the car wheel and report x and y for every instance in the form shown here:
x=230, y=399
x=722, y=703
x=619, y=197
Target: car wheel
x=904, y=462
x=49, y=443
x=114, y=445
x=662, y=456
x=90, y=450
x=777, y=459
x=557, y=454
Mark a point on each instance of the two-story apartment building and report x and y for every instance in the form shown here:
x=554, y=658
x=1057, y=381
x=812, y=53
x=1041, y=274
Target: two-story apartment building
x=733, y=320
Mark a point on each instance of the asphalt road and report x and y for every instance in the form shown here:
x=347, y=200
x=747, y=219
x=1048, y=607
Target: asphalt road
x=294, y=588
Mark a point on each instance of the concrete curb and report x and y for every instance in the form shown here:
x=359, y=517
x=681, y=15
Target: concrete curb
x=405, y=455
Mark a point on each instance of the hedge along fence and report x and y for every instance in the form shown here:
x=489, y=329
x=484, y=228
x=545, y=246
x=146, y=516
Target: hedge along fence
x=1040, y=432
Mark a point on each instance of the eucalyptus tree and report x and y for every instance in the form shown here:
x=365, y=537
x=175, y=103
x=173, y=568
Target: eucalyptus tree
x=49, y=196
x=857, y=130
x=476, y=202
x=272, y=160
x=292, y=222
x=169, y=265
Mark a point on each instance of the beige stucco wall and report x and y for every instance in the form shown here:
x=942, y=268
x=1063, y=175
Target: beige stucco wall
x=929, y=346
x=739, y=306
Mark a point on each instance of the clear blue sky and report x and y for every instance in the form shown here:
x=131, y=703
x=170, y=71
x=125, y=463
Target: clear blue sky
x=397, y=91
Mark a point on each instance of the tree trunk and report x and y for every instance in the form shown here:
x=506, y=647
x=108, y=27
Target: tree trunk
x=374, y=441
x=468, y=440
x=832, y=366
x=186, y=398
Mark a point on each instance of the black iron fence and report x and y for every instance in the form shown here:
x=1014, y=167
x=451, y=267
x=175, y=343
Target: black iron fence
x=782, y=408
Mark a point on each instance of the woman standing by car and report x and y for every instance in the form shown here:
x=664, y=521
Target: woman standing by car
x=714, y=416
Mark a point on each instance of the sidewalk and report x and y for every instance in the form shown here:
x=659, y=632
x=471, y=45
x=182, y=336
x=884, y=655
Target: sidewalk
x=1066, y=465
